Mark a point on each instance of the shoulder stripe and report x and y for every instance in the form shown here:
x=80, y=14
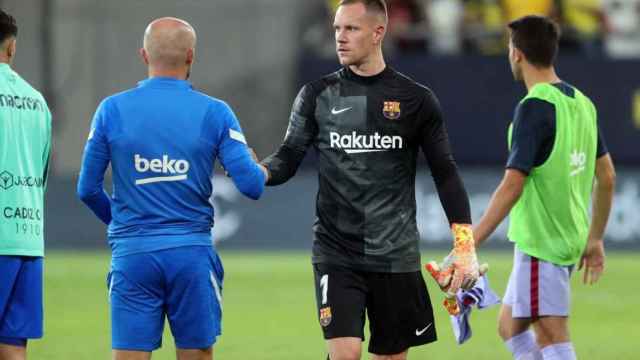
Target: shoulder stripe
x=237, y=135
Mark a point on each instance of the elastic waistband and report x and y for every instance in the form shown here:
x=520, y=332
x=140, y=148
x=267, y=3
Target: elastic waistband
x=122, y=246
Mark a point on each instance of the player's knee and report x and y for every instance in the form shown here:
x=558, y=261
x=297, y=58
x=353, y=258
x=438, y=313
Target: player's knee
x=551, y=331
x=346, y=353
x=200, y=354
x=543, y=339
x=509, y=327
x=550, y=339
x=502, y=332
x=402, y=356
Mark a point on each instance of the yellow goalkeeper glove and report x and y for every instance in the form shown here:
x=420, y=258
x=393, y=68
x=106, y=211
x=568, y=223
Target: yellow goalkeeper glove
x=450, y=303
x=460, y=269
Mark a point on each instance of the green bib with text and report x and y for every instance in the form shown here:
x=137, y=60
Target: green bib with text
x=550, y=221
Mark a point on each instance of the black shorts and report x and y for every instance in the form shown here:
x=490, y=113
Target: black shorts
x=398, y=306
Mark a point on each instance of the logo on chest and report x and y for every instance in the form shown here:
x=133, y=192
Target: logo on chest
x=355, y=143
x=578, y=161
x=391, y=110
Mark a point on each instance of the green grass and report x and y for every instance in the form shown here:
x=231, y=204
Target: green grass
x=270, y=313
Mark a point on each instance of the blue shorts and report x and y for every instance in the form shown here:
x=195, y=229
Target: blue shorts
x=184, y=284
x=21, y=308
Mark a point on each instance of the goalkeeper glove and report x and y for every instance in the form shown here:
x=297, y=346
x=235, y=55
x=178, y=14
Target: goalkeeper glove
x=450, y=302
x=460, y=268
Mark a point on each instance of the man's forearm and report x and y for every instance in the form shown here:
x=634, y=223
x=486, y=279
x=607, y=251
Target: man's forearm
x=601, y=207
x=100, y=204
x=501, y=203
x=282, y=165
x=90, y=187
x=454, y=199
x=602, y=197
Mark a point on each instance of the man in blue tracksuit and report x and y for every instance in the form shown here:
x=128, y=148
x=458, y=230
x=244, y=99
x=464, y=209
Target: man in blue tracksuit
x=162, y=139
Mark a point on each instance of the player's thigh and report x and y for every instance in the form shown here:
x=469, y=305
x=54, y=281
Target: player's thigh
x=551, y=330
x=11, y=352
x=21, y=299
x=130, y=355
x=344, y=348
x=400, y=312
x=194, y=295
x=341, y=301
x=508, y=326
x=194, y=354
x=537, y=288
x=136, y=296
x=401, y=356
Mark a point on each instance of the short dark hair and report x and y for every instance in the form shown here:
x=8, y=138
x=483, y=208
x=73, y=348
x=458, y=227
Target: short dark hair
x=379, y=6
x=8, y=27
x=537, y=37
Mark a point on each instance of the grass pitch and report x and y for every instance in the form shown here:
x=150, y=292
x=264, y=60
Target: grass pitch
x=270, y=313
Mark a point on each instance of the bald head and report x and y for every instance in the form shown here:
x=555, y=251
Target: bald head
x=169, y=43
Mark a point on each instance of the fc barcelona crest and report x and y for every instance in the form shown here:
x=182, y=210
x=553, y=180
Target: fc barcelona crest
x=391, y=110
x=325, y=316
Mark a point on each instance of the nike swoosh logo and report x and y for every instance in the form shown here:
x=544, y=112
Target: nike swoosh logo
x=420, y=332
x=336, y=112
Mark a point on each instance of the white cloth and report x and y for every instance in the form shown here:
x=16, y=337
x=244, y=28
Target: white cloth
x=480, y=296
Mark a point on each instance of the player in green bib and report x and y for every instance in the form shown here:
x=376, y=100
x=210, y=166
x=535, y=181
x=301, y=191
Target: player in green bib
x=25, y=141
x=558, y=166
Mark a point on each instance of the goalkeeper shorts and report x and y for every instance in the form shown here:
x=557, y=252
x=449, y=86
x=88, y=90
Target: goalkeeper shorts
x=398, y=306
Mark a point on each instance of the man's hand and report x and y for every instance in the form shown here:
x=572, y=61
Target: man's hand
x=459, y=270
x=463, y=259
x=443, y=278
x=267, y=175
x=253, y=155
x=593, y=261
x=264, y=169
x=441, y=273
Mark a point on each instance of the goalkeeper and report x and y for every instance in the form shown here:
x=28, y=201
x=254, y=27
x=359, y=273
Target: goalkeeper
x=367, y=123
x=557, y=159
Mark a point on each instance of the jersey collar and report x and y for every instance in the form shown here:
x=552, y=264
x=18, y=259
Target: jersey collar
x=4, y=67
x=367, y=79
x=165, y=82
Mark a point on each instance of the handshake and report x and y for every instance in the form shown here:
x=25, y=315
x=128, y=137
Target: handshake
x=459, y=269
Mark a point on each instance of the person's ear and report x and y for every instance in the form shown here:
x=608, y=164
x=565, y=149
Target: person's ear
x=190, y=56
x=144, y=56
x=378, y=34
x=11, y=48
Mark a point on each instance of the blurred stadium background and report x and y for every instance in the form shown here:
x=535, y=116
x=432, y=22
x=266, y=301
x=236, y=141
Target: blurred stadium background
x=255, y=54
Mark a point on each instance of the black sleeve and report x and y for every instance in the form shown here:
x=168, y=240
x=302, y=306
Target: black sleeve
x=602, y=145
x=284, y=163
x=533, y=135
x=437, y=150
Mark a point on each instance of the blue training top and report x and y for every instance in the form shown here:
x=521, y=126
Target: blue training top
x=162, y=139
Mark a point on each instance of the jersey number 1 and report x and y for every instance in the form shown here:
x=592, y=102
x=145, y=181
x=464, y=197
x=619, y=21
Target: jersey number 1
x=324, y=286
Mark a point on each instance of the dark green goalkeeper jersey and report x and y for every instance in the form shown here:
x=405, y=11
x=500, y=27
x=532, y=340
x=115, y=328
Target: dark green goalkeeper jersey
x=367, y=132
